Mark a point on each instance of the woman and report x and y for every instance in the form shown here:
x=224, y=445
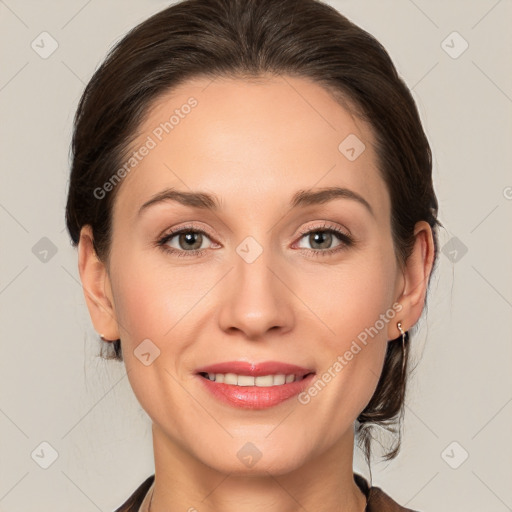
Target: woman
x=252, y=201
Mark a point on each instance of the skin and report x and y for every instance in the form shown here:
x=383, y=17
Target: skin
x=254, y=144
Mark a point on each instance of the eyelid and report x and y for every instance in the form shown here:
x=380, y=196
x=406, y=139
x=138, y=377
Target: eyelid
x=168, y=234
x=326, y=225
x=185, y=227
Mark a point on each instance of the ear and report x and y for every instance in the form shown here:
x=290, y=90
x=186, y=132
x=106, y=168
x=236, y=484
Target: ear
x=415, y=279
x=96, y=287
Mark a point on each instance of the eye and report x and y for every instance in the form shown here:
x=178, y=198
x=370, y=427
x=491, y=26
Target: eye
x=189, y=241
x=321, y=238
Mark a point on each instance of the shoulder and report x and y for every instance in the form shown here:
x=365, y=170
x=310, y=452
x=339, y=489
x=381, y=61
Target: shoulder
x=133, y=503
x=377, y=499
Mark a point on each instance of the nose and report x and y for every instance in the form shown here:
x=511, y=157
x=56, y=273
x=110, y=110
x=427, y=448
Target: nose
x=255, y=299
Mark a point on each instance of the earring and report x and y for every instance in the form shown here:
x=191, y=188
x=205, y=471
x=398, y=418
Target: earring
x=103, y=338
x=403, y=334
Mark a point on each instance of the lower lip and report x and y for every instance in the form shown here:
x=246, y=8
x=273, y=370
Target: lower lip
x=254, y=397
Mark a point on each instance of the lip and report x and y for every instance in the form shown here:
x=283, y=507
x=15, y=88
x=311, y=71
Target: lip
x=254, y=397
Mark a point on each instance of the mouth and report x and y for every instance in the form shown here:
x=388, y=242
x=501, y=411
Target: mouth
x=262, y=381
x=254, y=386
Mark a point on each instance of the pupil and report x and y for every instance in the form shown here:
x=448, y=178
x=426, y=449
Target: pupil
x=323, y=236
x=189, y=237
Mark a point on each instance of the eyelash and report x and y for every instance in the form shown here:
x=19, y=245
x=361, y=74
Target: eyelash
x=345, y=239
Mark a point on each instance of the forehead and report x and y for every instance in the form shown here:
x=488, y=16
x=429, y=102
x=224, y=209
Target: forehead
x=251, y=140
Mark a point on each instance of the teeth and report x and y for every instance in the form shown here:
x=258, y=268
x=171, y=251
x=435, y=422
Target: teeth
x=247, y=380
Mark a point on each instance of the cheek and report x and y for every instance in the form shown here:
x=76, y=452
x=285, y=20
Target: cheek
x=352, y=299
x=356, y=308
x=150, y=300
x=152, y=308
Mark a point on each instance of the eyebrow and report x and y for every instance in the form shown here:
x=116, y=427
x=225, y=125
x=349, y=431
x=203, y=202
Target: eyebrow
x=300, y=199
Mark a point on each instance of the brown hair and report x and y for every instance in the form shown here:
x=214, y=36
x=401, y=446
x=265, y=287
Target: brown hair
x=245, y=39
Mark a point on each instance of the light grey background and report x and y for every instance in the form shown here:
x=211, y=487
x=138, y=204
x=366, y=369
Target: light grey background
x=55, y=389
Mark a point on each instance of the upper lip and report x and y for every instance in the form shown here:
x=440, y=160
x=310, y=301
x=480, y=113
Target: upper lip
x=256, y=369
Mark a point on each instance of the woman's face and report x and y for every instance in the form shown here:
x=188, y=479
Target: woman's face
x=263, y=281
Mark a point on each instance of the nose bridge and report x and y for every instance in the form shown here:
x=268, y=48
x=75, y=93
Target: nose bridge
x=254, y=299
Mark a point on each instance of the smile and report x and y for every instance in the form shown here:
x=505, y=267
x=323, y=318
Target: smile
x=261, y=381
x=254, y=385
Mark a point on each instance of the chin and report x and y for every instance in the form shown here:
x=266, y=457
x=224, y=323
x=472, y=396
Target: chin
x=253, y=459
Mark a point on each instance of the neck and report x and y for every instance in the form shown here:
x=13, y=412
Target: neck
x=325, y=483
